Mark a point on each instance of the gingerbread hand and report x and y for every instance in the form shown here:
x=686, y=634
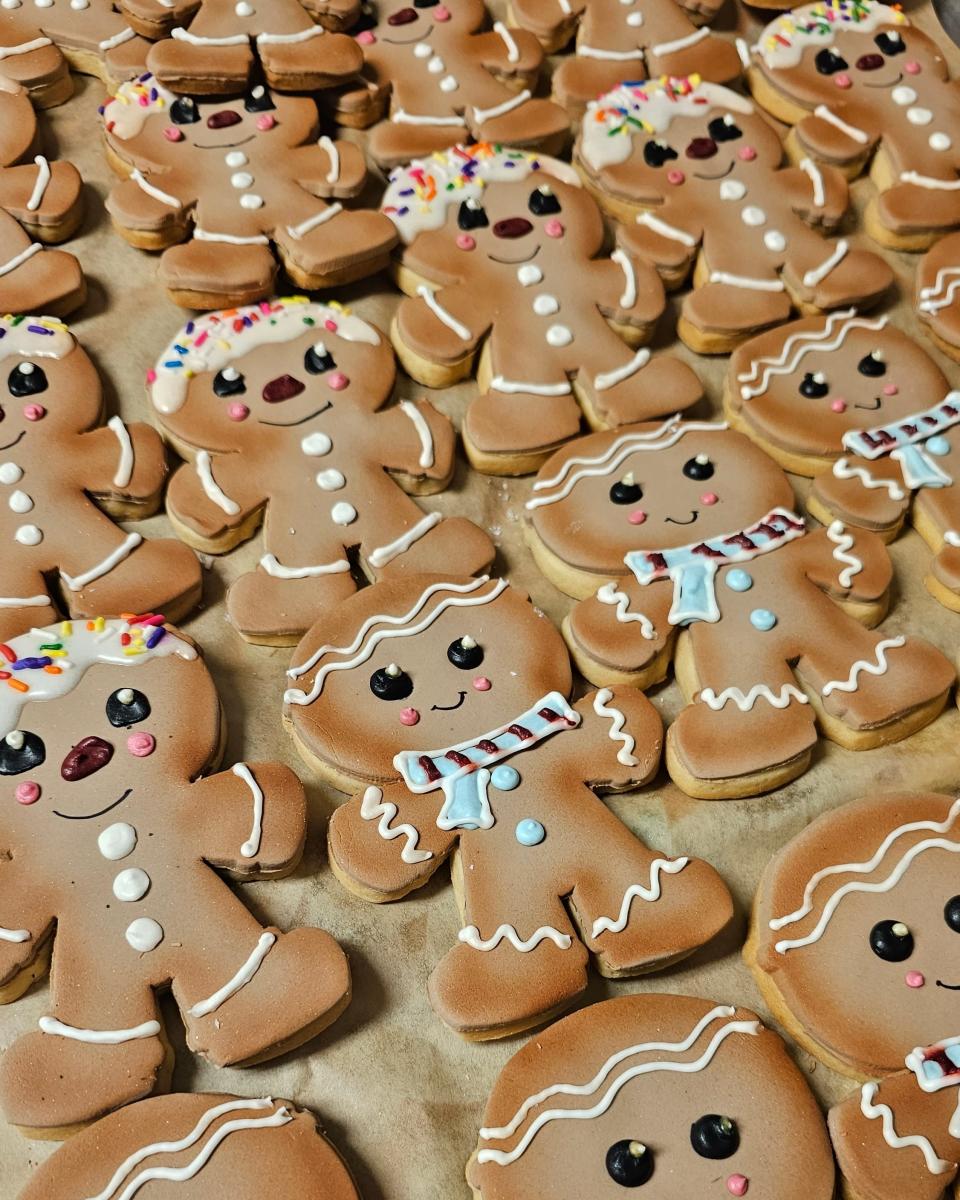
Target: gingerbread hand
x=23, y=948
x=414, y=440
x=127, y=466
x=621, y=739
x=212, y=497
x=622, y=632
x=850, y=565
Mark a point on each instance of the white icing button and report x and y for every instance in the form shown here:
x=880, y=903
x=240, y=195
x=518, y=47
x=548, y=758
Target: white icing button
x=436, y=65
x=243, y=9
x=732, y=189
x=903, y=95
x=448, y=84
x=919, y=116
x=251, y=200
x=422, y=50
x=752, y=215
x=331, y=480
x=559, y=335
x=144, y=934
x=940, y=141
x=132, y=884
x=79, y=5
x=9, y=3
x=29, y=535
x=10, y=473
x=242, y=179
x=236, y=158
x=774, y=240
x=343, y=513
x=529, y=275
x=43, y=3
x=316, y=444
x=546, y=306
x=117, y=840
x=20, y=502
x=635, y=19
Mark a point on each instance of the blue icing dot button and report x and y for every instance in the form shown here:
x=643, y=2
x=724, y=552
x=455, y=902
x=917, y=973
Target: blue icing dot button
x=738, y=580
x=763, y=619
x=938, y=445
x=504, y=778
x=530, y=832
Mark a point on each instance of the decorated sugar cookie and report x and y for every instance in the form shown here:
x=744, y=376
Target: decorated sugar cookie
x=614, y=38
x=275, y=407
x=441, y=706
x=435, y=73
x=855, y=402
x=215, y=183
x=855, y=945
x=690, y=529
x=197, y=1147
x=937, y=283
x=61, y=473
x=111, y=839
x=862, y=86
x=39, y=43
x=694, y=173
x=685, y=1095
x=500, y=261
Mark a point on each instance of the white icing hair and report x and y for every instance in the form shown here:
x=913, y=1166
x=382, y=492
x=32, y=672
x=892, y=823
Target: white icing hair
x=125, y=113
x=211, y=341
x=34, y=337
x=783, y=41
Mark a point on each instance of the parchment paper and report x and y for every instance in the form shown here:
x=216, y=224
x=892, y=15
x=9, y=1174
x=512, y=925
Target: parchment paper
x=400, y=1094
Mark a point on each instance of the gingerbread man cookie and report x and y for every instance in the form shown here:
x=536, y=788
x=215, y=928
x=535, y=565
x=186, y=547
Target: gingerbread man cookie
x=683, y=1094
x=40, y=40
x=500, y=260
x=854, y=943
x=59, y=467
x=862, y=86
x=109, y=847
x=197, y=1147
x=225, y=179
x=441, y=705
x=937, y=281
x=855, y=402
x=434, y=76
x=276, y=409
x=695, y=174
x=689, y=528
x=640, y=38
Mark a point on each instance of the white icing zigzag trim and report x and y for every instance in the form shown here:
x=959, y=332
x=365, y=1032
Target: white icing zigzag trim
x=843, y=470
x=746, y=701
x=617, y=721
x=611, y=594
x=844, y=541
x=471, y=936
x=872, y=1111
x=937, y=296
x=650, y=892
x=863, y=666
x=371, y=809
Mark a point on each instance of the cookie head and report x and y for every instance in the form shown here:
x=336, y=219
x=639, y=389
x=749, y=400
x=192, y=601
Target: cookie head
x=47, y=383
x=804, y=385
x=420, y=22
x=282, y=370
x=669, y=1095
x=650, y=488
x=420, y=663
x=674, y=140
x=858, y=928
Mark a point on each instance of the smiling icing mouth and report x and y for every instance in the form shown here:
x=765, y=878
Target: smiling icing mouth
x=302, y=421
x=225, y=145
x=449, y=707
x=91, y=816
x=10, y=445
x=694, y=514
x=514, y=262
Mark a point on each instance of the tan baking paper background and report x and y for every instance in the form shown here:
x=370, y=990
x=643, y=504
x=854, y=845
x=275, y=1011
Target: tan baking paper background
x=399, y=1093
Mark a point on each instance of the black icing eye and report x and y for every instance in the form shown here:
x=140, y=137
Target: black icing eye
x=828, y=62
x=543, y=202
x=258, y=100
x=318, y=359
x=465, y=653
x=699, y=468
x=126, y=707
x=890, y=43
x=472, y=215
x=655, y=154
x=184, y=111
x=872, y=364
x=390, y=683
x=724, y=129
x=229, y=382
x=20, y=751
x=27, y=379
x=626, y=490
x=951, y=913
x=629, y=1163
x=814, y=385
x=891, y=940
x=714, y=1136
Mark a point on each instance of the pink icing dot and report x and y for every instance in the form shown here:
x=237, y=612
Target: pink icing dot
x=238, y=412
x=912, y=68
x=34, y=412
x=338, y=381
x=637, y=517
x=27, y=793
x=151, y=376
x=843, y=81
x=266, y=121
x=173, y=134
x=482, y=683
x=675, y=177
x=409, y=716
x=553, y=228
x=839, y=405
x=441, y=13
x=709, y=498
x=890, y=389
x=747, y=153
x=366, y=37
x=466, y=242
x=330, y=325
x=914, y=979
x=737, y=1185
x=141, y=744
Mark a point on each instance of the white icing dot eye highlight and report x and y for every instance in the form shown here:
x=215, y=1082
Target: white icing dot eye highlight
x=14, y=739
x=125, y=695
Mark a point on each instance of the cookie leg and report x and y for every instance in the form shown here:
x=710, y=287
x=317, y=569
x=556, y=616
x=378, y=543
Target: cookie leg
x=272, y=609
x=515, y=432
x=408, y=539
x=215, y=274
x=202, y=69
x=717, y=317
x=25, y=601
x=907, y=217
x=325, y=246
x=821, y=275
x=936, y=517
x=532, y=123
x=622, y=385
x=392, y=144
x=320, y=60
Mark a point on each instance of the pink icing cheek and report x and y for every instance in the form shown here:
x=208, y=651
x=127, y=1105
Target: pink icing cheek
x=34, y=412
x=676, y=178
x=28, y=792
x=409, y=716
x=843, y=81
x=330, y=325
x=637, y=517
x=839, y=405
x=338, y=381
x=366, y=37
x=912, y=68
x=746, y=153
x=553, y=228
x=709, y=498
x=890, y=389
x=173, y=134
x=914, y=979
x=266, y=121
x=238, y=412
x=466, y=242
x=482, y=683
x=737, y=1185
x=141, y=745
x=441, y=13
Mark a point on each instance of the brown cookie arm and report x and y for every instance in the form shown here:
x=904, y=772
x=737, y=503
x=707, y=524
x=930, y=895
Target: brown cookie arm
x=618, y=742
x=213, y=495
x=443, y=325
x=414, y=439
x=660, y=240
x=123, y=461
x=513, y=52
x=828, y=141
x=626, y=288
x=329, y=168
x=846, y=562
x=25, y=921
x=40, y=192
x=864, y=1127
x=250, y=820
x=162, y=209
x=818, y=195
x=621, y=629
x=869, y=494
